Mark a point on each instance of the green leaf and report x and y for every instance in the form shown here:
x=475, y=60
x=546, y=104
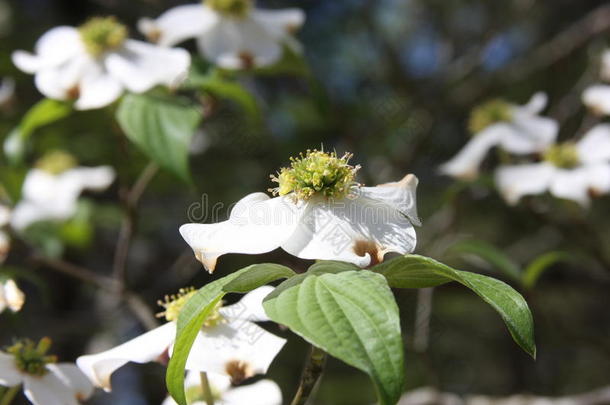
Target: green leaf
x=351, y=315
x=492, y=255
x=162, y=127
x=412, y=273
x=190, y=321
x=537, y=266
x=331, y=266
x=503, y=298
x=42, y=113
x=259, y=275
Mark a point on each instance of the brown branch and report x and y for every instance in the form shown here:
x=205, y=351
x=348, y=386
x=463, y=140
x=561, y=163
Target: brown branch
x=312, y=371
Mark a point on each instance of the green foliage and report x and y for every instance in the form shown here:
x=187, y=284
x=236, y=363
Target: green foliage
x=42, y=113
x=258, y=276
x=503, y=298
x=536, y=267
x=162, y=127
x=351, y=315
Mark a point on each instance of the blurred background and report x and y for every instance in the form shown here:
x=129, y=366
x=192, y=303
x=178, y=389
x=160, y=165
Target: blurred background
x=392, y=81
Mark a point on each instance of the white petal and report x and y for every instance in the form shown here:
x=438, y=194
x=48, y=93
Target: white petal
x=572, y=184
x=63, y=82
x=536, y=104
x=7, y=90
x=140, y=66
x=264, y=392
x=143, y=349
x=466, y=163
x=5, y=247
x=257, y=224
x=240, y=44
x=359, y=231
x=250, y=307
x=73, y=378
x=5, y=215
x=595, y=145
x=3, y=304
x=13, y=296
x=238, y=343
x=517, y=181
x=219, y=382
x=89, y=178
x=280, y=22
x=529, y=134
x=55, y=47
x=599, y=178
x=9, y=374
x=401, y=195
x=48, y=390
x=178, y=24
x=605, y=68
x=97, y=90
x=597, y=98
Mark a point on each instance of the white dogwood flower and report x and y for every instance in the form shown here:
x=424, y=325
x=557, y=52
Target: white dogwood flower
x=44, y=381
x=263, y=392
x=573, y=171
x=94, y=63
x=11, y=296
x=233, y=34
x=230, y=343
x=320, y=213
x=51, y=190
x=597, y=96
x=516, y=129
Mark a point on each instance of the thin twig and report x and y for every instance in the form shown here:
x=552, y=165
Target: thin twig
x=312, y=371
x=207, y=390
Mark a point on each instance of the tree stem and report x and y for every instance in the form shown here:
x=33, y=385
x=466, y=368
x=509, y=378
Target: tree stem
x=208, y=395
x=9, y=395
x=312, y=371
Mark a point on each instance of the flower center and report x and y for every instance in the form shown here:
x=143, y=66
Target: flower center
x=102, y=34
x=32, y=358
x=56, y=162
x=563, y=155
x=231, y=8
x=316, y=173
x=173, y=304
x=489, y=113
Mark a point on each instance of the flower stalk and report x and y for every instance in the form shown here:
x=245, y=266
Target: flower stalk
x=208, y=396
x=314, y=366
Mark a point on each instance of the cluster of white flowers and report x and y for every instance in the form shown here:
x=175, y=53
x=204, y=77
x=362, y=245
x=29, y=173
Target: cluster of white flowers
x=575, y=170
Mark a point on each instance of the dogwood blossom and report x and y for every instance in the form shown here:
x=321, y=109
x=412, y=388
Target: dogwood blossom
x=94, y=63
x=516, y=129
x=597, y=96
x=51, y=190
x=320, y=213
x=572, y=171
x=230, y=343
x=264, y=392
x=234, y=34
x=11, y=296
x=45, y=382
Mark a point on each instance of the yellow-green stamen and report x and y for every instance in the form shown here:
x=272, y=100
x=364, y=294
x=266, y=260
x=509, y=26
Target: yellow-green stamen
x=563, y=155
x=102, y=34
x=489, y=113
x=230, y=8
x=32, y=358
x=56, y=162
x=174, y=303
x=316, y=173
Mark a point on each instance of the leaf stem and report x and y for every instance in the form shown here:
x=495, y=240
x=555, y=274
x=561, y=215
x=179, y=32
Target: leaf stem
x=9, y=395
x=207, y=390
x=314, y=366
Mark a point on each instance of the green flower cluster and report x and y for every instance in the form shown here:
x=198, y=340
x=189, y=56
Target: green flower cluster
x=56, y=162
x=563, y=155
x=32, y=358
x=232, y=8
x=102, y=34
x=489, y=113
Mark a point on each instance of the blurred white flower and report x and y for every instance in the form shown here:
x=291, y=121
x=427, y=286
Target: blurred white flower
x=573, y=171
x=321, y=213
x=51, y=190
x=44, y=382
x=233, y=34
x=597, y=96
x=94, y=63
x=230, y=343
x=264, y=392
x=7, y=90
x=11, y=296
x=5, y=240
x=516, y=129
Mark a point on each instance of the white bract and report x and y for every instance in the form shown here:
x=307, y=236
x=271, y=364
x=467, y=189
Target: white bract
x=44, y=382
x=11, y=296
x=94, y=63
x=597, y=96
x=233, y=34
x=264, y=392
x=515, y=129
x=51, y=191
x=230, y=343
x=573, y=171
x=320, y=213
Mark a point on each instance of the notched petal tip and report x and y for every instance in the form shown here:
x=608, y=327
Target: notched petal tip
x=209, y=262
x=239, y=371
x=370, y=249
